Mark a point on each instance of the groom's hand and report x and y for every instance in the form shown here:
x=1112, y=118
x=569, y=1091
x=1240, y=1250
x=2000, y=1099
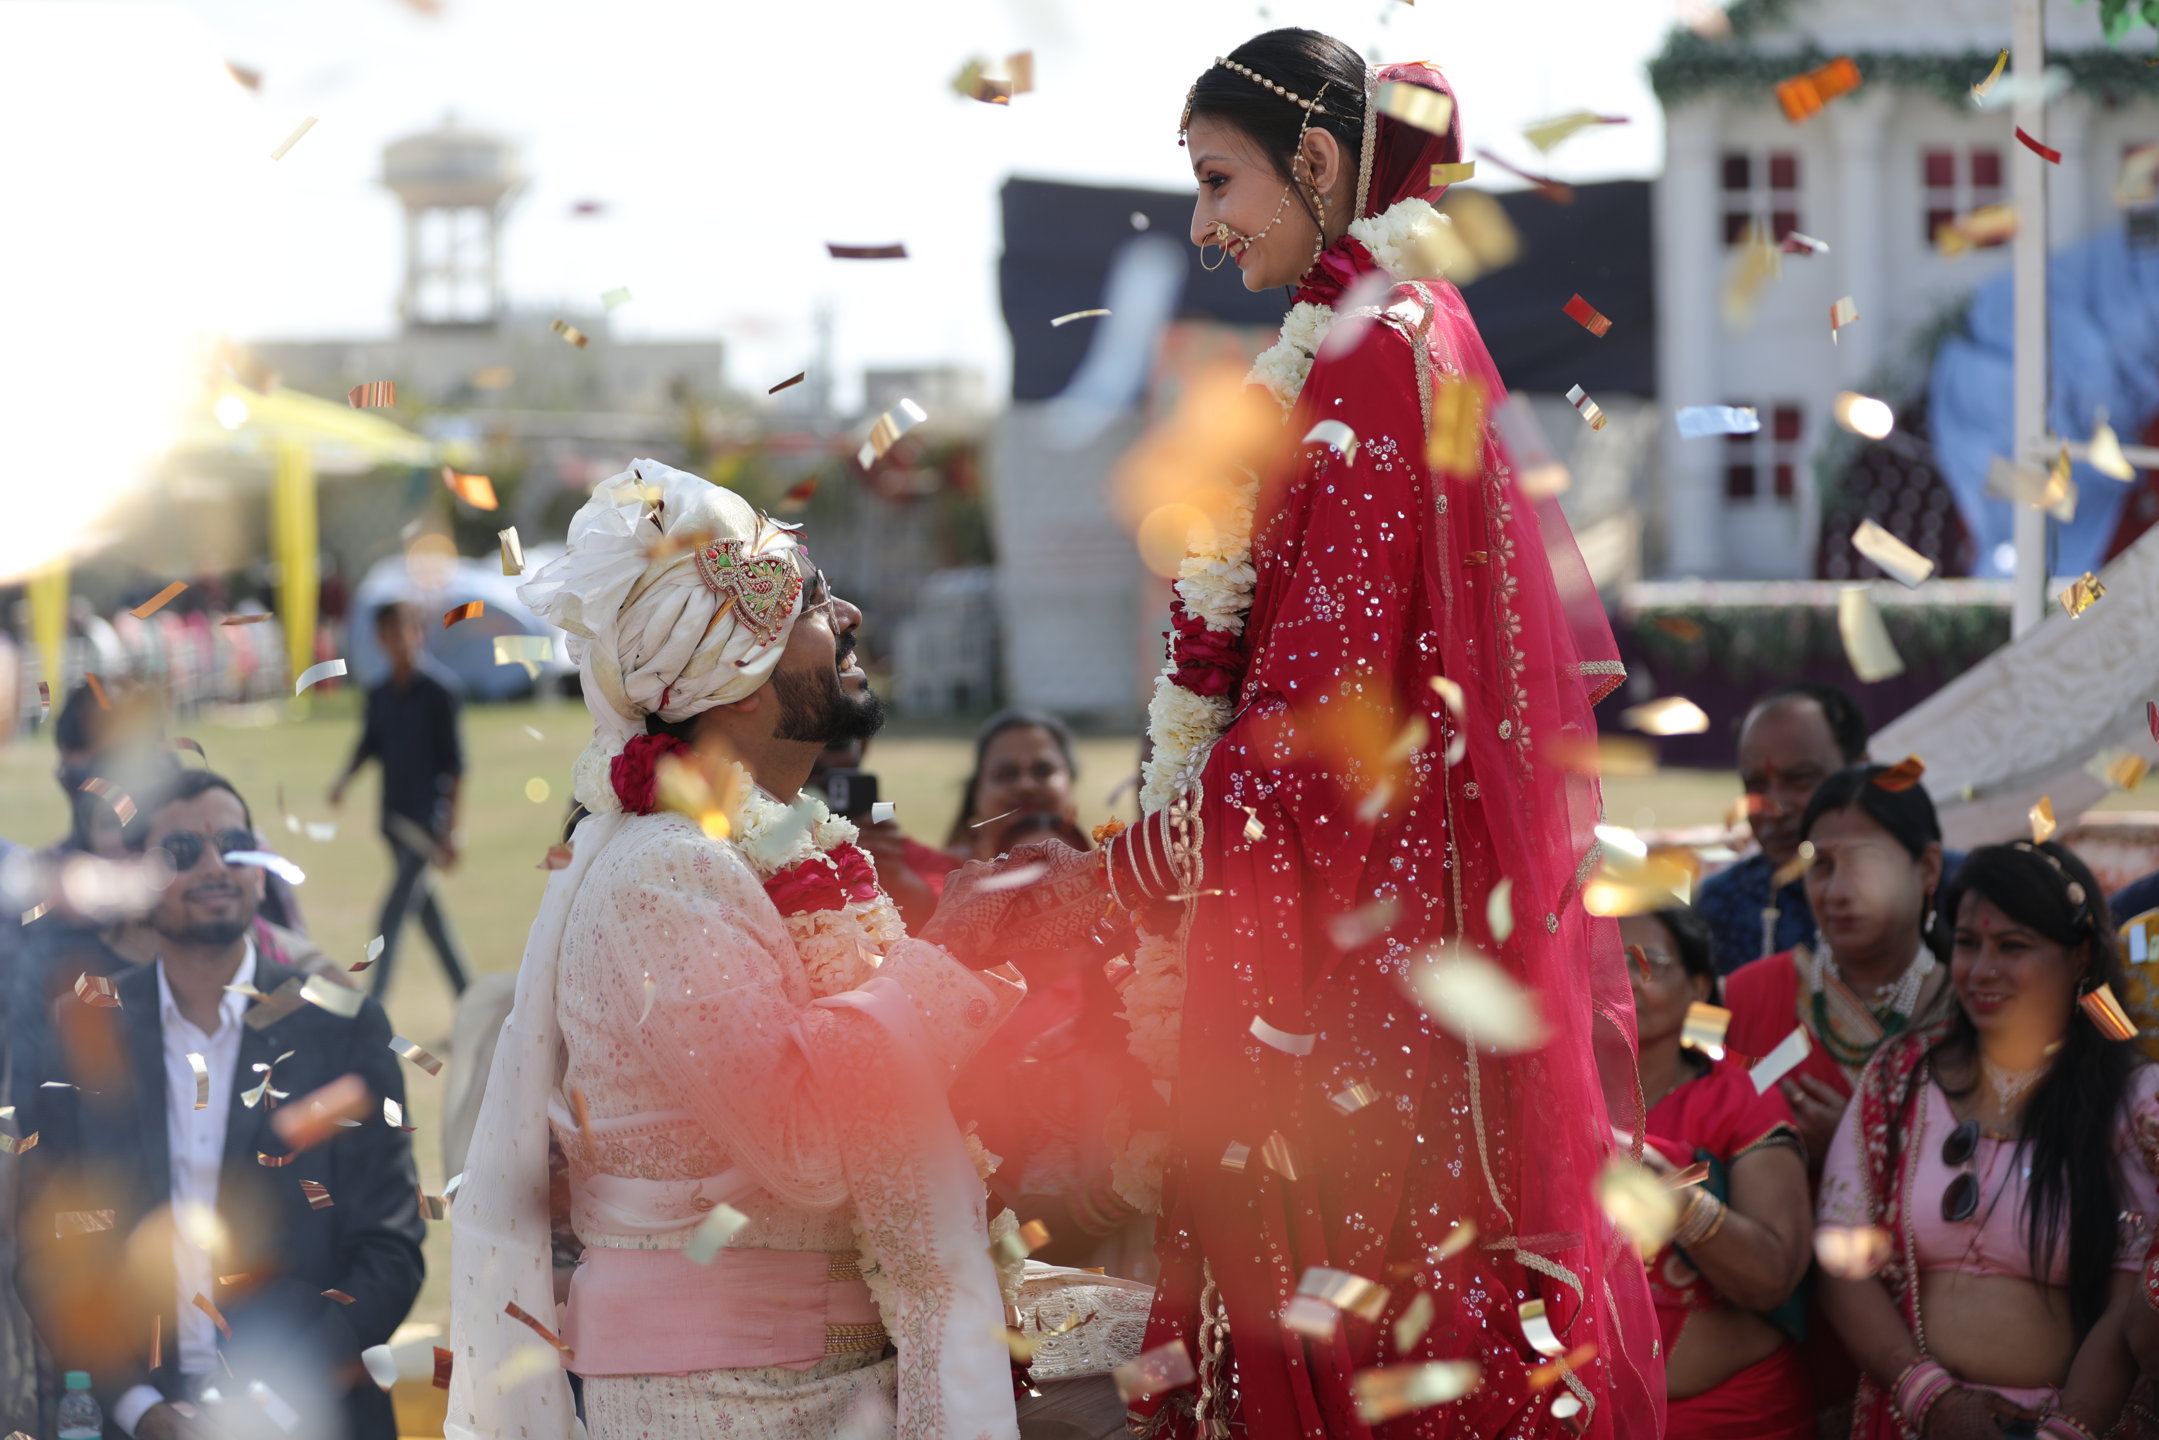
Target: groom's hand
x=1039, y=897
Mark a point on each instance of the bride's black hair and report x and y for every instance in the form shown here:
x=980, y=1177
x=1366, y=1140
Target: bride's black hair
x=1301, y=62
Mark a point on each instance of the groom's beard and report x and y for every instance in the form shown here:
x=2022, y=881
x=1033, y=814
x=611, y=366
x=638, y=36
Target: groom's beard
x=817, y=710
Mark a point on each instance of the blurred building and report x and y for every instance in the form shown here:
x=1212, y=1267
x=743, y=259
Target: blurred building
x=1876, y=175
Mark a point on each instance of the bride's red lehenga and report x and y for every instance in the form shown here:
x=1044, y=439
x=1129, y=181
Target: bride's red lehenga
x=1375, y=574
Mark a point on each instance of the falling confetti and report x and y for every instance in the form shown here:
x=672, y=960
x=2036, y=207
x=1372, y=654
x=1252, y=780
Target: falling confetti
x=373, y=395
x=1337, y=435
x=513, y=551
x=1866, y=639
x=1416, y=1318
x=2042, y=820
x=1801, y=862
x=201, y=1067
x=209, y=1307
x=1588, y=408
x=374, y=953
x=1897, y=559
x=1385, y=1392
x=1780, y=1061
x=1798, y=244
x=1537, y=1330
x=1549, y=188
x=1852, y=1252
x=2084, y=592
x=1640, y=1206
x=1803, y=96
x=1988, y=225
x=1154, y=1371
x=431, y=1207
x=2045, y=152
x=1076, y=315
x=1456, y=445
x=720, y=1225
x=571, y=333
x=1587, y=316
x=80, y=1222
x=1282, y=1040
x=1672, y=715
x=1547, y=135
x=1427, y=110
x=97, y=688
x=1473, y=998
x=158, y=601
x=890, y=426
x=2001, y=63
x=317, y=673
x=2105, y=453
x=254, y=619
x=866, y=252
x=798, y=496
x=790, y=382
x=466, y=611
x=294, y=138
x=1842, y=313
x=1499, y=911
x=393, y=1115
x=2050, y=489
x=1345, y=1290
x=1704, y=1029
x=530, y=651
x=408, y=1050
x=478, y=491
x=522, y=1317
x=1451, y=173
x=1755, y=263
x=1700, y=421
x=96, y=991
x=1353, y=1099
x=616, y=297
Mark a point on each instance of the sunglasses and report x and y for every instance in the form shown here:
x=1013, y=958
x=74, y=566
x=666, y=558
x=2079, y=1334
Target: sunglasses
x=1961, y=1200
x=185, y=848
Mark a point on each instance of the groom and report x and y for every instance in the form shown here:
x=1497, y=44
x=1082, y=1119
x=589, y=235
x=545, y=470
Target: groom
x=735, y=1044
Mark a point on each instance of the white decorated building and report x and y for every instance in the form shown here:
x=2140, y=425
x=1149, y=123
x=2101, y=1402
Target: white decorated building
x=1874, y=174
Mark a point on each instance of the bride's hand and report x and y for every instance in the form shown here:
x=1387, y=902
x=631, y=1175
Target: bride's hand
x=1037, y=897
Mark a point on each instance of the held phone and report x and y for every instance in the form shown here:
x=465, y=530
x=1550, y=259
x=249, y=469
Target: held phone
x=851, y=793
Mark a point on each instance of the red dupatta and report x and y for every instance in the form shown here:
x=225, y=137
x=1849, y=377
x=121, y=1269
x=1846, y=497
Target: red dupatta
x=1375, y=575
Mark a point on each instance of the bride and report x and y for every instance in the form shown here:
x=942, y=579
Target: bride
x=1370, y=759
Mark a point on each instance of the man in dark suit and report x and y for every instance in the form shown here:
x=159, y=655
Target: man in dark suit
x=184, y=1241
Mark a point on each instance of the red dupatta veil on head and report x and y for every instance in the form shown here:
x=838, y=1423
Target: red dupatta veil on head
x=1490, y=592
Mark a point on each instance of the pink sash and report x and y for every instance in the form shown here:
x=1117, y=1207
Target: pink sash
x=652, y=1312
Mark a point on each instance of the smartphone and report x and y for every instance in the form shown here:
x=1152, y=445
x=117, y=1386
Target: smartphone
x=852, y=793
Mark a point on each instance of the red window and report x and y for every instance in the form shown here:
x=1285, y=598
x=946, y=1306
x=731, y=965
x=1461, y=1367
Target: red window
x=1785, y=424
x=1986, y=169
x=1787, y=481
x=1773, y=453
x=1940, y=167
x=1760, y=191
x=1783, y=170
x=1957, y=183
x=1739, y=482
x=1737, y=171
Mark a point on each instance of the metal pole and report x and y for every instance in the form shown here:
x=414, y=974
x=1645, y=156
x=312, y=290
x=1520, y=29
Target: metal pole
x=2028, y=187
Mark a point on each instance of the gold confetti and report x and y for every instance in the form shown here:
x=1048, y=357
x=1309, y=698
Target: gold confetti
x=1863, y=414
x=1021, y=67
x=314, y=1117
x=163, y=598
x=1448, y=174
x=2122, y=769
x=1458, y=1240
x=1345, y=1290
x=443, y=1362
x=372, y=395
x=1547, y=135
x=478, y=491
x=1353, y=1099
x=2051, y=489
x=1311, y=1318
x=1852, y=1252
x=1898, y=560
x=1499, y=911
x=2105, y=1012
x=294, y=138
x=1755, y=262
x=1985, y=226
x=513, y=551
x=1076, y=315
x=570, y=333
x=393, y=1115
x=18, y=1145
x=1153, y=1371
x=1801, y=862
x=720, y=1225
x=519, y=1314
x=96, y=991
x=340, y=1000
x=1867, y=645
x=2105, y=454
x=201, y=1067
x=2041, y=816
x=1428, y=110
x=2001, y=63
x=467, y=611
x=1537, y=1330
x=866, y=252
x=432, y=1207
x=317, y=1193
x=1334, y=433
x=1672, y=715
x=1387, y=1391
x=974, y=83
x=1235, y=1157
x=1276, y=1156
x=1842, y=312
x=530, y=651
x=273, y=1162
x=618, y=296
x=1705, y=1027
x=1410, y=1326
x=1640, y=1206
x=1474, y=999
x=2083, y=593
x=1282, y=1040
x=890, y=426
x=1589, y=409
x=1253, y=830
x=1456, y=445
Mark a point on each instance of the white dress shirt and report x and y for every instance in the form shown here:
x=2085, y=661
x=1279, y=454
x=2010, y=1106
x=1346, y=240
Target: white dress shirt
x=195, y=1139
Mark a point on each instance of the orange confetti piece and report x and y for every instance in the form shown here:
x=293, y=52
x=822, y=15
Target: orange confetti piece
x=373, y=395
x=158, y=601
x=475, y=490
x=96, y=991
x=97, y=688
x=312, y=1119
x=442, y=1368
x=1903, y=775
x=517, y=1312
x=245, y=619
x=1588, y=317
x=1803, y=96
x=208, y=1307
x=273, y=1162
x=1546, y=1376
x=467, y=611
x=558, y=857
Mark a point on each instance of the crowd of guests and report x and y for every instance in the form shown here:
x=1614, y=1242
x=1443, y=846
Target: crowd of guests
x=1934, y=1221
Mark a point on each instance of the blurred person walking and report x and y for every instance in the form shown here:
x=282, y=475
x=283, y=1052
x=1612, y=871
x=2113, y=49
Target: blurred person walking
x=188, y=1239
x=1793, y=739
x=411, y=729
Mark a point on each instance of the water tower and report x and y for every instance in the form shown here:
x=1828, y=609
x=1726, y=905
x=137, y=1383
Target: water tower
x=456, y=185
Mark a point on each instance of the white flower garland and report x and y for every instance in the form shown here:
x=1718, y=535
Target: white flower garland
x=1215, y=582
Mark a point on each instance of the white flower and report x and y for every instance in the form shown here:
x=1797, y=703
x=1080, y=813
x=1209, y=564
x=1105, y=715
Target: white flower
x=1402, y=238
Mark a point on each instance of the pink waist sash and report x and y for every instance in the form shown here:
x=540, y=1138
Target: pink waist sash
x=652, y=1312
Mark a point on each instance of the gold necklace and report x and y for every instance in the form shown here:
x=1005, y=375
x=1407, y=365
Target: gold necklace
x=2009, y=1085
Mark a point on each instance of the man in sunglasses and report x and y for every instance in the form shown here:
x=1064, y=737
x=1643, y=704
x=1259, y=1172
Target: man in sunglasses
x=189, y=1236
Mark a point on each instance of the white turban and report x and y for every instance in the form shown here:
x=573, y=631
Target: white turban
x=677, y=597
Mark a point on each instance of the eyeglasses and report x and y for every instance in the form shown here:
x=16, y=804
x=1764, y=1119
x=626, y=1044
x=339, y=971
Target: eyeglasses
x=185, y=848
x=1961, y=1200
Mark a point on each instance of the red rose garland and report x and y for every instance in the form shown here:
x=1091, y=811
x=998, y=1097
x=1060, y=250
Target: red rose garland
x=634, y=772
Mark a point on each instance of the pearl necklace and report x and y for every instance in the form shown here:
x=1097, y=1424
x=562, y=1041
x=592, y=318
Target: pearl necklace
x=1901, y=994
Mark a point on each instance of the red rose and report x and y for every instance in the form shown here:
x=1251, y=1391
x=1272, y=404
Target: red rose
x=1208, y=662
x=824, y=882
x=633, y=771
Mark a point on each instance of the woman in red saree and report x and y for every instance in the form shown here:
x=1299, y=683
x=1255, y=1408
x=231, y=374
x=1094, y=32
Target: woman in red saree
x=1369, y=768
